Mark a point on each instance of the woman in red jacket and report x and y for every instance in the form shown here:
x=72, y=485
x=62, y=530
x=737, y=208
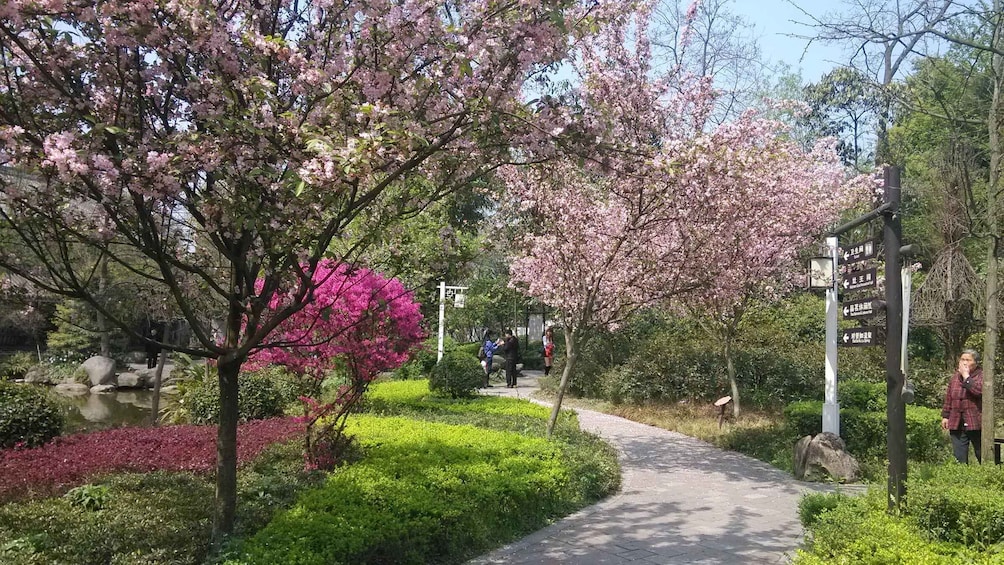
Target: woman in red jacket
x=962, y=414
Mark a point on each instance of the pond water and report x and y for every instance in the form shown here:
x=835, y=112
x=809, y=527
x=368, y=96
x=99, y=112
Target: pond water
x=90, y=412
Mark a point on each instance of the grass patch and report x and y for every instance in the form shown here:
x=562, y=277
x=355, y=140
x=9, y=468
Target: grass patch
x=426, y=492
x=759, y=435
x=442, y=480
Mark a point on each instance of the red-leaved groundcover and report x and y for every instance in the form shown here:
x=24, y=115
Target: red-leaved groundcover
x=73, y=460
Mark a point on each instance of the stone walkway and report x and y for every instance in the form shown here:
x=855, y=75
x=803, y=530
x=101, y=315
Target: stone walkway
x=681, y=501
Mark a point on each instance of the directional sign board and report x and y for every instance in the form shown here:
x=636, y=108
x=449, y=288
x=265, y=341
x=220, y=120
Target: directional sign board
x=858, y=309
x=860, y=252
x=858, y=337
x=856, y=280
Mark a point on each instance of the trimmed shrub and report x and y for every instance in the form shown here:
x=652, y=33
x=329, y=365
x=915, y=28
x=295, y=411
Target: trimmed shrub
x=813, y=505
x=423, y=360
x=804, y=418
x=861, y=395
x=424, y=493
x=962, y=504
x=859, y=532
x=458, y=374
x=865, y=432
x=258, y=395
x=28, y=417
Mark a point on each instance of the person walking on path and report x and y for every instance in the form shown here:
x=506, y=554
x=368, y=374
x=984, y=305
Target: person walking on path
x=548, y=340
x=510, y=348
x=487, y=352
x=962, y=412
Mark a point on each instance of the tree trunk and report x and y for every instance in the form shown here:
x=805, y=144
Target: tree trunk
x=157, y=377
x=226, y=452
x=730, y=369
x=228, y=368
x=102, y=323
x=994, y=122
x=571, y=352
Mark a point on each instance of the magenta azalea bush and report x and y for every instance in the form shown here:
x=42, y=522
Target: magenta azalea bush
x=74, y=460
x=358, y=324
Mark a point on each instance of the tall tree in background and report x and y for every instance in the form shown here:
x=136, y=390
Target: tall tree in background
x=844, y=104
x=881, y=36
x=261, y=132
x=660, y=207
x=720, y=44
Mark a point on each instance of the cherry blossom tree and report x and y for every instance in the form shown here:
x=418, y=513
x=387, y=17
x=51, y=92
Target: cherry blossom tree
x=772, y=200
x=234, y=144
x=358, y=324
x=661, y=202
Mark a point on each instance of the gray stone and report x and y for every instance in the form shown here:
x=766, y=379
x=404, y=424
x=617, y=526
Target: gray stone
x=100, y=370
x=98, y=389
x=38, y=375
x=827, y=459
x=149, y=374
x=72, y=389
x=801, y=452
x=131, y=380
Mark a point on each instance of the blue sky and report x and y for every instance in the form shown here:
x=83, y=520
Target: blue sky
x=775, y=21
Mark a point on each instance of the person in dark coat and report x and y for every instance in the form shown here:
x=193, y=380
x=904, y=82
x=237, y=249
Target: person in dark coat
x=486, y=354
x=510, y=348
x=152, y=348
x=962, y=413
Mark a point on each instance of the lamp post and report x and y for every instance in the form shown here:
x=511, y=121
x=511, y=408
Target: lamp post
x=454, y=292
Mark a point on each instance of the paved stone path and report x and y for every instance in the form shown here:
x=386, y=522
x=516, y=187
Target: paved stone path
x=681, y=501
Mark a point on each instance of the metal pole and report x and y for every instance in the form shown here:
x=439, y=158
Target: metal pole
x=442, y=319
x=895, y=407
x=831, y=408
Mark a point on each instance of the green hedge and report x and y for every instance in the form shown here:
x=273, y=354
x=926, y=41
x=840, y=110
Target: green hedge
x=259, y=394
x=664, y=369
x=422, y=361
x=813, y=505
x=425, y=492
x=865, y=432
x=961, y=503
x=862, y=395
x=27, y=416
x=458, y=374
x=943, y=524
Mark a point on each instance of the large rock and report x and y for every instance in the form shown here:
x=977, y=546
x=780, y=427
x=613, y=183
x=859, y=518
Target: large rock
x=100, y=370
x=38, y=375
x=801, y=451
x=131, y=380
x=101, y=389
x=825, y=458
x=149, y=375
x=72, y=389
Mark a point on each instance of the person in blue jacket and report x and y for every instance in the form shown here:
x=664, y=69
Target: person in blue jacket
x=487, y=351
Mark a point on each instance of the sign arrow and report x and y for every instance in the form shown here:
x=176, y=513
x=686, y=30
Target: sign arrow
x=859, y=337
x=861, y=251
x=857, y=280
x=862, y=308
